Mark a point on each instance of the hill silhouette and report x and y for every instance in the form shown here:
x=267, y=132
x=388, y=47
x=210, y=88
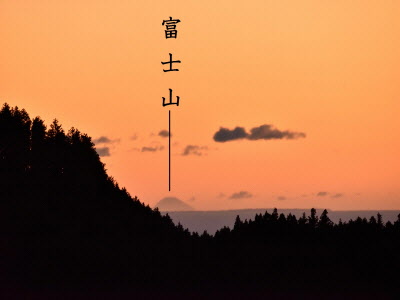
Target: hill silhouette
x=197, y=220
x=65, y=223
x=64, y=216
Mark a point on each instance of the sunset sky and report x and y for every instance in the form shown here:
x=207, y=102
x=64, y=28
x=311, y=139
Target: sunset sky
x=326, y=74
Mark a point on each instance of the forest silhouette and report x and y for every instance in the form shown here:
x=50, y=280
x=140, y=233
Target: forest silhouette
x=65, y=222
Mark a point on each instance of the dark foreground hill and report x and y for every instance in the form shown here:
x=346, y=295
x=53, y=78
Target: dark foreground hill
x=211, y=221
x=62, y=217
x=66, y=225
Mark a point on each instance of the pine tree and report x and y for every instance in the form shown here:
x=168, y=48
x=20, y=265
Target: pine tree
x=238, y=223
x=313, y=219
x=324, y=221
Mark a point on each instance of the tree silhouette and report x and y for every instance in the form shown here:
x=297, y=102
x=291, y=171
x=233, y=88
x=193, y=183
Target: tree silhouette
x=324, y=221
x=238, y=223
x=65, y=220
x=313, y=219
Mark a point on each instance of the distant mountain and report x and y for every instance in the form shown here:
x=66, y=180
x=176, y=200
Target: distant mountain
x=172, y=204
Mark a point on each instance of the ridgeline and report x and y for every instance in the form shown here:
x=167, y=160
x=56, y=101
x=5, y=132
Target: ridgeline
x=66, y=223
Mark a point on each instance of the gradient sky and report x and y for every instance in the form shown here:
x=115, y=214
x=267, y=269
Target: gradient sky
x=329, y=69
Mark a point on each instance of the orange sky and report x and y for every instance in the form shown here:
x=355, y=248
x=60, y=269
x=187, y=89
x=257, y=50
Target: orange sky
x=330, y=69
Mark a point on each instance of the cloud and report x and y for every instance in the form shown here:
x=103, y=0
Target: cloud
x=152, y=149
x=241, y=195
x=194, y=150
x=164, y=133
x=192, y=199
x=322, y=194
x=224, y=134
x=338, y=195
x=267, y=132
x=134, y=137
x=105, y=140
x=221, y=195
x=281, y=198
x=103, y=151
x=263, y=132
x=102, y=140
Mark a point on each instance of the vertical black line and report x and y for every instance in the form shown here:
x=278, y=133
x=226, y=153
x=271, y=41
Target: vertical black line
x=169, y=150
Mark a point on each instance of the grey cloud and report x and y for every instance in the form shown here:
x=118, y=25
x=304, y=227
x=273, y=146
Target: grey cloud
x=194, y=149
x=322, y=194
x=225, y=134
x=102, y=140
x=338, y=195
x=263, y=132
x=105, y=140
x=134, y=137
x=164, y=133
x=152, y=149
x=241, y=195
x=103, y=151
x=267, y=132
x=281, y=198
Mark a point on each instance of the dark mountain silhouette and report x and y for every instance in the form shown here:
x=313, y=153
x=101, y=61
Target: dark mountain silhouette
x=66, y=225
x=172, y=204
x=212, y=221
x=62, y=215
